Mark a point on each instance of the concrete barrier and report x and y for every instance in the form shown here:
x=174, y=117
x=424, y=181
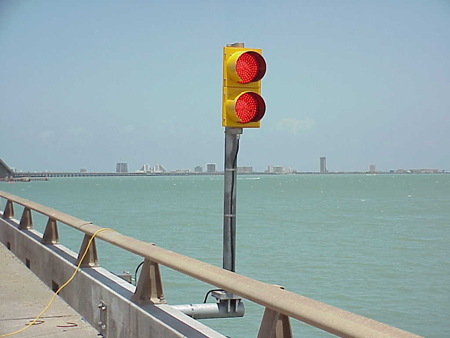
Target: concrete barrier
x=102, y=298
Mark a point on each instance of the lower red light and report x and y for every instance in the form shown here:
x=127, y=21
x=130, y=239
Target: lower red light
x=250, y=107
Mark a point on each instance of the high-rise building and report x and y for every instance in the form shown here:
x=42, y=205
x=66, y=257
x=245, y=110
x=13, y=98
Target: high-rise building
x=145, y=168
x=121, y=167
x=210, y=167
x=198, y=169
x=158, y=168
x=323, y=165
x=372, y=168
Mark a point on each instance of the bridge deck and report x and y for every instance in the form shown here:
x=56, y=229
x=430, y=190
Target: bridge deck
x=23, y=296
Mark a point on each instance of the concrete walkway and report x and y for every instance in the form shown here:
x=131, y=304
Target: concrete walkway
x=23, y=296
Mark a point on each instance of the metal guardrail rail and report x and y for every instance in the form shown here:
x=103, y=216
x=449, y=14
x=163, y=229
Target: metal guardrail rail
x=280, y=304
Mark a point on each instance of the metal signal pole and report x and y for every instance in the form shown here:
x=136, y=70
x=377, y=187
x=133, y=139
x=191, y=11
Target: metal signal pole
x=229, y=213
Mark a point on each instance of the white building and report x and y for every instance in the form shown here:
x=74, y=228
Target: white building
x=279, y=170
x=145, y=168
x=158, y=168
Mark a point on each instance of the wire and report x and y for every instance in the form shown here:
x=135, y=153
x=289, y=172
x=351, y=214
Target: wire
x=135, y=273
x=207, y=294
x=62, y=287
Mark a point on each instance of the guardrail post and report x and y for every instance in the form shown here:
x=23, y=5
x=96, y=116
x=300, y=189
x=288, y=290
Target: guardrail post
x=149, y=288
x=91, y=258
x=26, y=222
x=9, y=210
x=51, y=232
x=274, y=325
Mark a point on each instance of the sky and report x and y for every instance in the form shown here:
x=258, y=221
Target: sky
x=87, y=84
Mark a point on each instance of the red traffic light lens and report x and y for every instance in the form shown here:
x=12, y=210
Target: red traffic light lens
x=250, y=107
x=250, y=67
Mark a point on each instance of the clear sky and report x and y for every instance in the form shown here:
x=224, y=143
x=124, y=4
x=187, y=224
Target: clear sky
x=86, y=84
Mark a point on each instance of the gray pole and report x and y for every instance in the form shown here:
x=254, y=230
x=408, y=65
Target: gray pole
x=229, y=213
x=228, y=305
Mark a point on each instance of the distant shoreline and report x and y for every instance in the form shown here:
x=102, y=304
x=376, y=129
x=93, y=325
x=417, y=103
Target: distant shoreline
x=30, y=176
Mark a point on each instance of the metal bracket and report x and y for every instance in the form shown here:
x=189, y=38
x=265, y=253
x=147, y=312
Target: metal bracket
x=91, y=258
x=26, y=222
x=232, y=302
x=51, y=232
x=236, y=44
x=223, y=295
x=149, y=287
x=103, y=318
x=234, y=131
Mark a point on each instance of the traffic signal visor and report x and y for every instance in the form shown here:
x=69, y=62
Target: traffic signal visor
x=243, y=69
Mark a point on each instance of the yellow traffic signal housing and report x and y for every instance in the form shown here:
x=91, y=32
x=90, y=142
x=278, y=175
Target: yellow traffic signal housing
x=242, y=104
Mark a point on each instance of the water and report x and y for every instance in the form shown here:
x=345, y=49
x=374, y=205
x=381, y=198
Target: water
x=377, y=246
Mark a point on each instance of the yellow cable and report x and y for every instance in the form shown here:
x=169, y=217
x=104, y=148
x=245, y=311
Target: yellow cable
x=62, y=287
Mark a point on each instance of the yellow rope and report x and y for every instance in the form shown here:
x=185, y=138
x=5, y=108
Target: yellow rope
x=62, y=287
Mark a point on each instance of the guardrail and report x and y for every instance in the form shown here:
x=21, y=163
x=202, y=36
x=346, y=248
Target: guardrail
x=280, y=304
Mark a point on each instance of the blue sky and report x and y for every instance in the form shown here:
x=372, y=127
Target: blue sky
x=86, y=84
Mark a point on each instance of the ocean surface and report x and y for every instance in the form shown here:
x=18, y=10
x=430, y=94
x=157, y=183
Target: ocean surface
x=375, y=245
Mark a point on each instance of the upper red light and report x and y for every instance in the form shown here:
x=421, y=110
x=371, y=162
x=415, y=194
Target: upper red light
x=250, y=67
x=250, y=107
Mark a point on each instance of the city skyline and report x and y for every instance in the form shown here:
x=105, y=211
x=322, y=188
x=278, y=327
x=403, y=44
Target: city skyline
x=122, y=168
x=358, y=82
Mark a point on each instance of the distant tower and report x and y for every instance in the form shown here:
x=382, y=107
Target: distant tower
x=121, y=167
x=145, y=168
x=323, y=165
x=372, y=168
x=198, y=169
x=210, y=167
x=158, y=168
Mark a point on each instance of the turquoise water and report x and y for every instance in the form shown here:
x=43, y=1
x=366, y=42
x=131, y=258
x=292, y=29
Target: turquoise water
x=377, y=246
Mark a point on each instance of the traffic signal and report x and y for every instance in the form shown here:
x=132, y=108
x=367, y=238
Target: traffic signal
x=242, y=104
